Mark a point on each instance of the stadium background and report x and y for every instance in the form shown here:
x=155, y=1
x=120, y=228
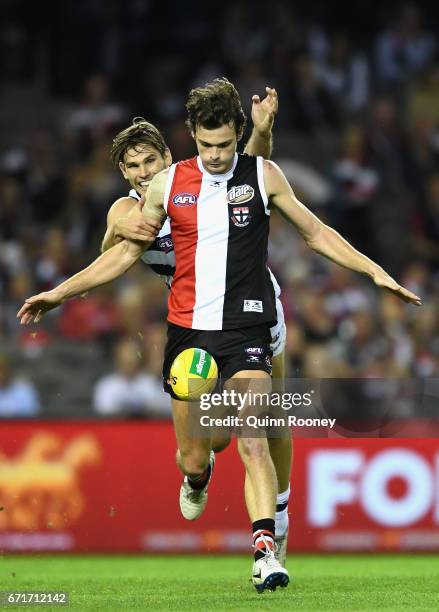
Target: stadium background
x=357, y=133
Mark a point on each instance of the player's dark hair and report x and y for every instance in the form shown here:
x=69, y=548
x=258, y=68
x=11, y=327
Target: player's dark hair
x=216, y=104
x=141, y=132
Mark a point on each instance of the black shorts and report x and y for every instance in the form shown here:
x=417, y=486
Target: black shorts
x=234, y=350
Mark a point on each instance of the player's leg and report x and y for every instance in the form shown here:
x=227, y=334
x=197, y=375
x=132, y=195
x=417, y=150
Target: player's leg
x=255, y=454
x=194, y=456
x=193, y=453
x=260, y=491
x=281, y=450
x=195, y=459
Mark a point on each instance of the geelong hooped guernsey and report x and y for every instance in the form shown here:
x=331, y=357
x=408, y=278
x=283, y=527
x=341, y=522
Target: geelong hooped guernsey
x=220, y=226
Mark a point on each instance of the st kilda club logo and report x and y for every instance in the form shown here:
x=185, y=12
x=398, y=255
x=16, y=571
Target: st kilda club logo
x=241, y=216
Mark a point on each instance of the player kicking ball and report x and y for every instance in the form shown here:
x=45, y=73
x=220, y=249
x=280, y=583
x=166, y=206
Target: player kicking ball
x=215, y=233
x=140, y=152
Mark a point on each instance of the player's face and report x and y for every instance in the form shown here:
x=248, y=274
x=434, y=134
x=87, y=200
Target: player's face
x=217, y=147
x=141, y=164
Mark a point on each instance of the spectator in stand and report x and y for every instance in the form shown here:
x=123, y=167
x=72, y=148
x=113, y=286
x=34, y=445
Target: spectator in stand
x=92, y=318
x=356, y=186
x=96, y=115
x=53, y=265
x=129, y=390
x=311, y=106
x=344, y=73
x=404, y=48
x=18, y=397
x=426, y=241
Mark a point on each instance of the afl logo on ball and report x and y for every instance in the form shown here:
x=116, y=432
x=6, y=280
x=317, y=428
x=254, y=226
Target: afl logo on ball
x=240, y=194
x=184, y=199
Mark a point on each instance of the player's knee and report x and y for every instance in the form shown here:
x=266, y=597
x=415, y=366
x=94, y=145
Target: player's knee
x=193, y=461
x=253, y=449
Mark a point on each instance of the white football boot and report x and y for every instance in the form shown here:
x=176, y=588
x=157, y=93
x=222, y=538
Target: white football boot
x=193, y=501
x=280, y=550
x=268, y=573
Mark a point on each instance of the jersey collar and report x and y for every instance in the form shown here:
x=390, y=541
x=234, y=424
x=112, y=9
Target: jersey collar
x=133, y=194
x=218, y=177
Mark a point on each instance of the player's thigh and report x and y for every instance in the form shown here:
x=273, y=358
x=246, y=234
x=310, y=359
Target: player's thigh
x=254, y=381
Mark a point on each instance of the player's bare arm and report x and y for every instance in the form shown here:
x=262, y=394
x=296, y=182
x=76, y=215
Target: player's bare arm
x=263, y=114
x=109, y=266
x=322, y=238
x=153, y=209
x=125, y=220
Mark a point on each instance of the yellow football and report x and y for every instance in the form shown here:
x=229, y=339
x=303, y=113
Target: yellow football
x=193, y=372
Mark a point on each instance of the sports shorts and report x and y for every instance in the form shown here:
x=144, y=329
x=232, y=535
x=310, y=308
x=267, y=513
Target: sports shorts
x=234, y=350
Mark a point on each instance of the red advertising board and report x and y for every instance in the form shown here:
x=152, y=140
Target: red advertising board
x=113, y=487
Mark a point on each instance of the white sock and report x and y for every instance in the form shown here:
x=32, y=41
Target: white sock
x=281, y=518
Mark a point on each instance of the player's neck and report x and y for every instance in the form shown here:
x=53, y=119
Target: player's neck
x=230, y=167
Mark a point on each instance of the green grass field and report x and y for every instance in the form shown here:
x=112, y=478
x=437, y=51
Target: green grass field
x=201, y=583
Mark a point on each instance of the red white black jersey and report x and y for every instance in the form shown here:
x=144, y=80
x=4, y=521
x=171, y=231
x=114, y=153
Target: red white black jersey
x=219, y=226
x=160, y=257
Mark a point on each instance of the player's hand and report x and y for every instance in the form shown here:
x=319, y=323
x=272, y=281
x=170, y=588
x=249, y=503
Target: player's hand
x=36, y=306
x=264, y=111
x=382, y=279
x=135, y=226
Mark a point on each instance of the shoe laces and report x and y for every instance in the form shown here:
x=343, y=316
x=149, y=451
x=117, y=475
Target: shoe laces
x=269, y=551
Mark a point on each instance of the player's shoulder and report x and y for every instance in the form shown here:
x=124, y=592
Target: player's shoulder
x=270, y=166
x=121, y=206
x=271, y=170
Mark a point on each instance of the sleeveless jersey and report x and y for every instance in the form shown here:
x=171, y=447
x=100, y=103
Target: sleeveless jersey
x=220, y=226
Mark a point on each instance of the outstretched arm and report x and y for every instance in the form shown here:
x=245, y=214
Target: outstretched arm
x=125, y=220
x=322, y=238
x=263, y=114
x=109, y=266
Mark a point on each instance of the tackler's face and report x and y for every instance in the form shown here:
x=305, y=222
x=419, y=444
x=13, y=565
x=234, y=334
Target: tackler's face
x=141, y=164
x=217, y=147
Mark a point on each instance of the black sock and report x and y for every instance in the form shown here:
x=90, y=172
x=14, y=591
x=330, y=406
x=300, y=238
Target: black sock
x=263, y=535
x=199, y=482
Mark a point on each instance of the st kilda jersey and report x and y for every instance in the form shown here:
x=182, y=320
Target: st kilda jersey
x=160, y=257
x=220, y=226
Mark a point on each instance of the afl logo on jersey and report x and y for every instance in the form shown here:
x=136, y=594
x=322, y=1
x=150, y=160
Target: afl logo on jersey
x=185, y=199
x=240, y=216
x=165, y=244
x=240, y=194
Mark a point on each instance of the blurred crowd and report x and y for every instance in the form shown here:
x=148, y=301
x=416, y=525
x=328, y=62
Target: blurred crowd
x=357, y=134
